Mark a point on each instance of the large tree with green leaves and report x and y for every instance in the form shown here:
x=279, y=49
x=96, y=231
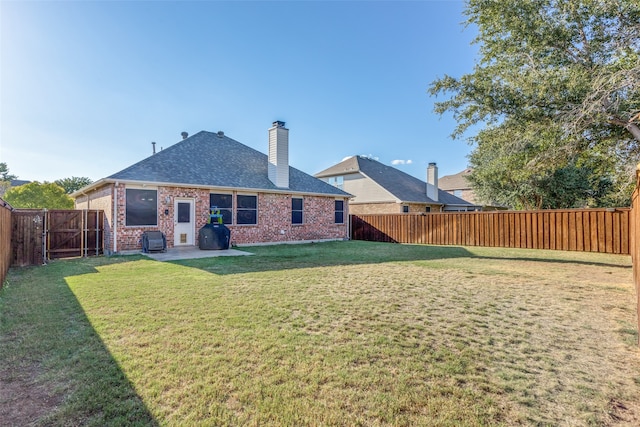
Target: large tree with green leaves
x=556, y=89
x=35, y=195
x=73, y=184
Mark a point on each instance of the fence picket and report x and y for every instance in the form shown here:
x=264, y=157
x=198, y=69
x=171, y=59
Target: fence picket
x=591, y=230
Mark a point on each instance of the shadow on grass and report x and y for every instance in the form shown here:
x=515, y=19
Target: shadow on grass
x=55, y=368
x=281, y=257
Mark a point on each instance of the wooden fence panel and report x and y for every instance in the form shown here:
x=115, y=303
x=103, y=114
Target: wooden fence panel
x=5, y=240
x=590, y=230
x=41, y=235
x=27, y=227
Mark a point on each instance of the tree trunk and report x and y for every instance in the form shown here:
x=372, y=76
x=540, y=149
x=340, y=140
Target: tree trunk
x=630, y=126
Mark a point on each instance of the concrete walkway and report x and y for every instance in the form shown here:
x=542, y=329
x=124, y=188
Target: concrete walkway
x=190, y=252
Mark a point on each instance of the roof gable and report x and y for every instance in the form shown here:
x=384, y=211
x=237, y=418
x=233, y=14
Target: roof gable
x=400, y=184
x=456, y=181
x=215, y=160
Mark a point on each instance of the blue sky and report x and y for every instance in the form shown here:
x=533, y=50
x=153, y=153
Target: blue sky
x=87, y=86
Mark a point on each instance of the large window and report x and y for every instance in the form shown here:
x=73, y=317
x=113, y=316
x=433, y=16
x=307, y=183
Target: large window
x=247, y=212
x=142, y=207
x=224, y=202
x=339, y=212
x=296, y=210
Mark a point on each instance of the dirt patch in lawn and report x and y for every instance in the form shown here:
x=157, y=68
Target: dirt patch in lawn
x=23, y=401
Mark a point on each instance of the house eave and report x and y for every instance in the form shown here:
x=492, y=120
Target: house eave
x=104, y=181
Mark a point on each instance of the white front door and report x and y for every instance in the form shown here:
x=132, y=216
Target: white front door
x=184, y=227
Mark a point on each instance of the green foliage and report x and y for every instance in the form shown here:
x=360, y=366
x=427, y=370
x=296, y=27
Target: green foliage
x=4, y=173
x=557, y=84
x=39, y=196
x=73, y=184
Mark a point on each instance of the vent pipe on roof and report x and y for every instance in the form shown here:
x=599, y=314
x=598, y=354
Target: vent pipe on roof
x=154, y=147
x=185, y=135
x=279, y=155
x=432, y=182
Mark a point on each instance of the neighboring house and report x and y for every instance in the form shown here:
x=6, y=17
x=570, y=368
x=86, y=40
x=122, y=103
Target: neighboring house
x=261, y=198
x=459, y=185
x=378, y=188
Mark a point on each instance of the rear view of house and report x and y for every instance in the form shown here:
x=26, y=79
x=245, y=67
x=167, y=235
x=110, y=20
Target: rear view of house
x=261, y=198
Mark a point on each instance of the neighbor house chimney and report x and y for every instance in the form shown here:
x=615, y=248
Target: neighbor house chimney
x=432, y=182
x=279, y=155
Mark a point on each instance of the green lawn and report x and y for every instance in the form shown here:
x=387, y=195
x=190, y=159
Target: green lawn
x=341, y=333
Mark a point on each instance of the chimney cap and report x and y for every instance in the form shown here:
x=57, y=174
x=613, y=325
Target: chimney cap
x=220, y=134
x=184, y=135
x=278, y=124
x=432, y=163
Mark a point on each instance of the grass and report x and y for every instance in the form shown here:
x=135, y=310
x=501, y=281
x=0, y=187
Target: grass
x=342, y=333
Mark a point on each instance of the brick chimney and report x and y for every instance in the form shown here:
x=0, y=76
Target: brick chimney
x=279, y=155
x=432, y=182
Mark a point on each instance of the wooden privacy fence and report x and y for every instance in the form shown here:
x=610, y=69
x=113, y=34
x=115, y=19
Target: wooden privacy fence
x=588, y=230
x=42, y=235
x=5, y=240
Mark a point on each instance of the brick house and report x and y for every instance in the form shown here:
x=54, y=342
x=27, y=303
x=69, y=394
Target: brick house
x=261, y=198
x=459, y=185
x=381, y=189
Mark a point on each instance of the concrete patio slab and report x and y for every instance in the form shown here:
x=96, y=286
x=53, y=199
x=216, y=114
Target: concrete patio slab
x=191, y=252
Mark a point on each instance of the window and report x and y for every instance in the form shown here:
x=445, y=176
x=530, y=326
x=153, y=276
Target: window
x=224, y=202
x=141, y=207
x=457, y=193
x=405, y=209
x=184, y=212
x=336, y=181
x=247, y=210
x=427, y=209
x=339, y=212
x=296, y=210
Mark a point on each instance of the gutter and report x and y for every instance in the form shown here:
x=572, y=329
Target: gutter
x=205, y=187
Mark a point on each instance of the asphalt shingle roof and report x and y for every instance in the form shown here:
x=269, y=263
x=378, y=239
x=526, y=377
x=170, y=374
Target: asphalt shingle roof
x=457, y=181
x=215, y=160
x=403, y=186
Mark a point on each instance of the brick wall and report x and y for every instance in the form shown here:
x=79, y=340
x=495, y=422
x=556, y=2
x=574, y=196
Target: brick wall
x=274, y=221
x=274, y=218
x=102, y=199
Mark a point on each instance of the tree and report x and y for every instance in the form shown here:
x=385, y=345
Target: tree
x=557, y=85
x=4, y=173
x=39, y=196
x=73, y=184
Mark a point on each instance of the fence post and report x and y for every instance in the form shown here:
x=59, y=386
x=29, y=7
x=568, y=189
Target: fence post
x=634, y=228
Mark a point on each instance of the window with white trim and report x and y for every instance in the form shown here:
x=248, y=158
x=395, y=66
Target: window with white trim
x=297, y=204
x=223, y=202
x=338, y=212
x=141, y=207
x=247, y=212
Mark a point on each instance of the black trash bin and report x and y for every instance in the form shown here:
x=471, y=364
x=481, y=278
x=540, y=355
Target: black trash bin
x=214, y=236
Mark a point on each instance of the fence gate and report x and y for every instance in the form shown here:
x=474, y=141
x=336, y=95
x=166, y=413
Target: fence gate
x=41, y=235
x=27, y=232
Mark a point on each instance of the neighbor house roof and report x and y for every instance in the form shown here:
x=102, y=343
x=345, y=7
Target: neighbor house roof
x=209, y=159
x=456, y=181
x=401, y=185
